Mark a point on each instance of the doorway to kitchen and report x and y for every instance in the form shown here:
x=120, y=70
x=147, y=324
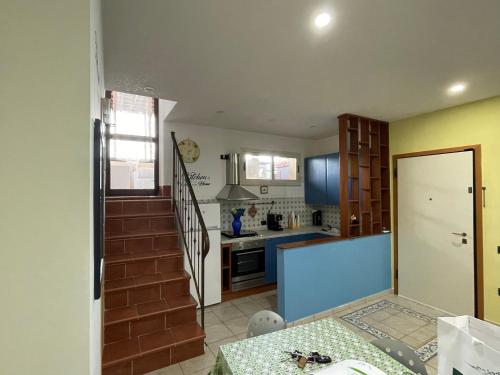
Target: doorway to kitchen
x=132, y=145
x=438, y=229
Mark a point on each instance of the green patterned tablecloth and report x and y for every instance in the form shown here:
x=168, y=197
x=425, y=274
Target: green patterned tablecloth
x=264, y=354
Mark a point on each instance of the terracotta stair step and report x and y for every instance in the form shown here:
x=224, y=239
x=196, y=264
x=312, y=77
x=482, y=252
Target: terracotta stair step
x=145, y=280
x=115, y=198
x=171, y=338
x=124, y=236
x=141, y=215
x=143, y=310
x=155, y=254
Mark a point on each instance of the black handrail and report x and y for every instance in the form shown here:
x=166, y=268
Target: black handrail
x=191, y=225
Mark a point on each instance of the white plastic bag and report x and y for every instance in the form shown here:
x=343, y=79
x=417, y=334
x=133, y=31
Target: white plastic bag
x=468, y=346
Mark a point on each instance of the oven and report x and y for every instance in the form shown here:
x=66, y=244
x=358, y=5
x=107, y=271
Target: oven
x=248, y=264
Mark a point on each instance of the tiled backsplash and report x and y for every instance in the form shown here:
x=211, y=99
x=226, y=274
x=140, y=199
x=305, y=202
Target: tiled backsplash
x=283, y=206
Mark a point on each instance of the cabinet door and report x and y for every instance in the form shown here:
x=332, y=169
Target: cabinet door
x=315, y=180
x=332, y=179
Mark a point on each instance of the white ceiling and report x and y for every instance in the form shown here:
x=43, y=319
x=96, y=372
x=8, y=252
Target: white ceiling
x=264, y=65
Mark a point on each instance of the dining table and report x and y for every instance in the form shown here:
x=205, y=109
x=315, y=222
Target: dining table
x=267, y=354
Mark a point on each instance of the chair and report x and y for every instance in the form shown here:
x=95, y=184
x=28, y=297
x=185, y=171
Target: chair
x=264, y=322
x=401, y=353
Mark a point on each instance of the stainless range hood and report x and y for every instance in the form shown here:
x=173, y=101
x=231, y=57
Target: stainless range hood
x=233, y=191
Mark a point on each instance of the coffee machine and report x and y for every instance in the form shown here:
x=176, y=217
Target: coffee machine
x=317, y=219
x=274, y=222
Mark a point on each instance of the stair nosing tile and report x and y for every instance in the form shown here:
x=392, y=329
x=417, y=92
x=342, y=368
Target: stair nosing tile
x=143, y=215
x=124, y=236
x=164, y=279
x=146, y=255
x=147, y=315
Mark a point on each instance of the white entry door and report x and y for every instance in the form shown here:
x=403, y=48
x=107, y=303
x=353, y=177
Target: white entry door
x=436, y=231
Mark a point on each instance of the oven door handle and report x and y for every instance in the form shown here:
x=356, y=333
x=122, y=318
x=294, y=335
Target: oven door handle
x=250, y=252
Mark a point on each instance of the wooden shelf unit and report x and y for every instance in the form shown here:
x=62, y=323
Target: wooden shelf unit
x=364, y=175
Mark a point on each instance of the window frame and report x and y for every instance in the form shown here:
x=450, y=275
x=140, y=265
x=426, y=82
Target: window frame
x=137, y=138
x=272, y=181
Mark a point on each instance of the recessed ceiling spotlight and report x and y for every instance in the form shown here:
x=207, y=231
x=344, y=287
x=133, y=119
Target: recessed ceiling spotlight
x=322, y=20
x=457, y=88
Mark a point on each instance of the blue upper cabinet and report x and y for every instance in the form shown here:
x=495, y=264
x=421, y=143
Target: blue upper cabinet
x=333, y=179
x=322, y=179
x=315, y=180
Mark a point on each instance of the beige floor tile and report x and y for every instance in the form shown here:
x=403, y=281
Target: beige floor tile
x=249, y=308
x=433, y=362
x=238, y=325
x=323, y=315
x=380, y=315
x=210, y=318
x=214, y=347
x=170, y=370
x=266, y=302
x=411, y=341
x=242, y=336
x=425, y=334
x=205, y=371
x=227, y=312
x=239, y=301
x=431, y=370
x=217, y=332
x=404, y=323
x=389, y=330
x=193, y=365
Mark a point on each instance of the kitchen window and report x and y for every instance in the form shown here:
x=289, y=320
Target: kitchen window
x=270, y=168
x=132, y=145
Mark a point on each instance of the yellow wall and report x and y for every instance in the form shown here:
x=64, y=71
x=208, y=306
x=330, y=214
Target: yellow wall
x=473, y=123
x=45, y=203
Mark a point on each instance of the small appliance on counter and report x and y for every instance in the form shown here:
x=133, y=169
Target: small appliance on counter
x=274, y=222
x=317, y=218
x=243, y=233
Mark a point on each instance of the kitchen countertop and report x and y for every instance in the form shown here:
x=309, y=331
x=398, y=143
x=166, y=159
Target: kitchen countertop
x=265, y=234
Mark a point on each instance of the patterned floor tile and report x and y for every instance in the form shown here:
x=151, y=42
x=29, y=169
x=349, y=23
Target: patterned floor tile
x=400, y=323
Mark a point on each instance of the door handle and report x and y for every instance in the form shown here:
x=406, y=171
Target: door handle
x=460, y=234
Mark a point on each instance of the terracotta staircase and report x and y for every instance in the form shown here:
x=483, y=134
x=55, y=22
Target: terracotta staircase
x=149, y=315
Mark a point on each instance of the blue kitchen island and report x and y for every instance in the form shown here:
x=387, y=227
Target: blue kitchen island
x=314, y=276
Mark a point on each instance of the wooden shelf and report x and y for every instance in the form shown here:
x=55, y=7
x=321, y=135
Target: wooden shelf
x=364, y=150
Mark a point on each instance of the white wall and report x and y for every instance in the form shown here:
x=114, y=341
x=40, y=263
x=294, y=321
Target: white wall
x=323, y=146
x=214, y=142
x=96, y=93
x=45, y=200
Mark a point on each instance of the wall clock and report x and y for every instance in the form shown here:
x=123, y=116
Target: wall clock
x=190, y=151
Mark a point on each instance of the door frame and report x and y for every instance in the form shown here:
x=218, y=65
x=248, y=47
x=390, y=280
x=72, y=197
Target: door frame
x=478, y=218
